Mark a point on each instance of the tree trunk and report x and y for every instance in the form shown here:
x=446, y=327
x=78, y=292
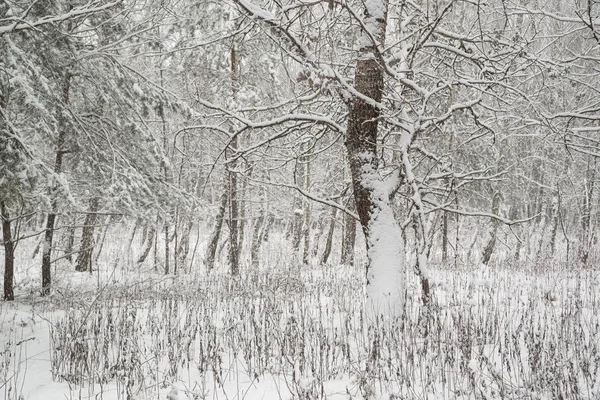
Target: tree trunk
x=306, y=226
x=213, y=243
x=58, y=162
x=234, y=254
x=256, y=240
x=298, y=222
x=234, y=263
x=184, y=246
x=71, y=239
x=555, y=219
x=150, y=243
x=242, y=215
x=167, y=249
x=9, y=254
x=444, y=236
x=488, y=250
x=84, y=257
x=348, y=240
x=586, y=220
x=102, y=238
x=264, y=237
x=385, y=269
x=329, y=241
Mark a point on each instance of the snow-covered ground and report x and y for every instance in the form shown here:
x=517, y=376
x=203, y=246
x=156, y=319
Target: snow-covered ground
x=284, y=331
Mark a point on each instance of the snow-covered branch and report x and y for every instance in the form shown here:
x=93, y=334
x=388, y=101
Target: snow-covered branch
x=91, y=8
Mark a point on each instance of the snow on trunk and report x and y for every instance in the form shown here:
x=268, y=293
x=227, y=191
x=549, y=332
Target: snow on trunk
x=386, y=270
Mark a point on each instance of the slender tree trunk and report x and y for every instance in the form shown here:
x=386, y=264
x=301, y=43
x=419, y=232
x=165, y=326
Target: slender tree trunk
x=348, y=240
x=488, y=250
x=175, y=242
x=586, y=220
x=184, y=246
x=329, y=241
x=167, y=249
x=102, y=238
x=318, y=228
x=264, y=236
x=155, y=246
x=131, y=239
x=71, y=239
x=51, y=219
x=306, y=230
x=84, y=257
x=256, y=240
x=444, y=236
x=242, y=213
x=9, y=254
x=298, y=222
x=149, y=244
x=234, y=253
x=233, y=225
x=213, y=243
x=555, y=219
x=385, y=267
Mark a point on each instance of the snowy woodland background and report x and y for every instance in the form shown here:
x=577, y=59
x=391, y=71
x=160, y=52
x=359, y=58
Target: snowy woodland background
x=307, y=199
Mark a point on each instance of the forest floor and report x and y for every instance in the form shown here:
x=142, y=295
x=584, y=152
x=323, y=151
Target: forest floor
x=284, y=331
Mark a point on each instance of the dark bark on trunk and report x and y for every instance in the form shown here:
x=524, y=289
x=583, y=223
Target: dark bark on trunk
x=349, y=240
x=103, y=238
x=58, y=162
x=47, y=254
x=491, y=243
x=144, y=234
x=586, y=220
x=297, y=226
x=298, y=222
x=84, y=257
x=555, y=217
x=167, y=250
x=444, y=236
x=183, y=248
x=234, y=262
x=256, y=240
x=267, y=229
x=71, y=240
x=149, y=245
x=234, y=250
x=242, y=216
x=329, y=242
x=211, y=250
x=9, y=254
x=176, y=242
x=306, y=226
x=361, y=140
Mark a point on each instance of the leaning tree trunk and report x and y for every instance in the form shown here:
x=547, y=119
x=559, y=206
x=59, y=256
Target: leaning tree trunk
x=9, y=254
x=150, y=243
x=385, y=269
x=213, y=243
x=329, y=241
x=488, y=250
x=84, y=257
